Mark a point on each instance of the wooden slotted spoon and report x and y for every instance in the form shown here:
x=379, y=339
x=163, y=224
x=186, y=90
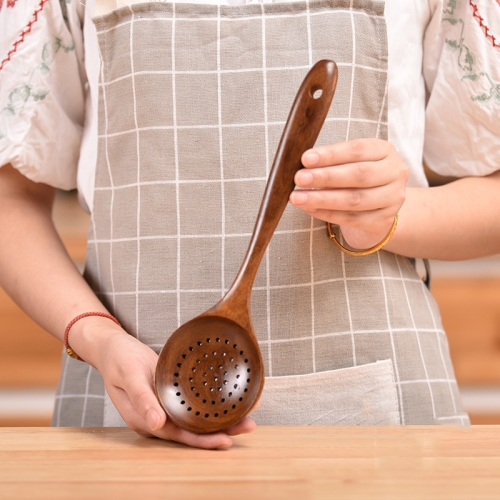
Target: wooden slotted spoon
x=210, y=372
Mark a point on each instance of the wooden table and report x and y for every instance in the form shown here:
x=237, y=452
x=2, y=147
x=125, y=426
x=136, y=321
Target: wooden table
x=272, y=463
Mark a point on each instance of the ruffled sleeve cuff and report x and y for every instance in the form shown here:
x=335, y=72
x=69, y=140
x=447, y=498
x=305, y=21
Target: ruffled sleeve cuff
x=41, y=90
x=462, y=73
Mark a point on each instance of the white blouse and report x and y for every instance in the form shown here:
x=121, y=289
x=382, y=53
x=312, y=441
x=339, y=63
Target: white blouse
x=444, y=87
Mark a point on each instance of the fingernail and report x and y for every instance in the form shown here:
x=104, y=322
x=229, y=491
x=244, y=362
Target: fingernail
x=153, y=419
x=304, y=178
x=312, y=157
x=299, y=198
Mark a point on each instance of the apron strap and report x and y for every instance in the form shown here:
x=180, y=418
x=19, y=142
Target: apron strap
x=427, y=278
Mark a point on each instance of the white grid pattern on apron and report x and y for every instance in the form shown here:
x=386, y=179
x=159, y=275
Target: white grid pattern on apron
x=105, y=286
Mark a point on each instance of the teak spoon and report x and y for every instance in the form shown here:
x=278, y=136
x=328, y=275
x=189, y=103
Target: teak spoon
x=210, y=372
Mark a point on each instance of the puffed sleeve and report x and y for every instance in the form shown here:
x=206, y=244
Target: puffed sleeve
x=462, y=75
x=42, y=88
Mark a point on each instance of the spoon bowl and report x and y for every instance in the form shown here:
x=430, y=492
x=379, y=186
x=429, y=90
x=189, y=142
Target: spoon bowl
x=217, y=376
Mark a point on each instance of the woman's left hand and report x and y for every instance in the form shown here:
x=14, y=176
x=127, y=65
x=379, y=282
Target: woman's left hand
x=359, y=185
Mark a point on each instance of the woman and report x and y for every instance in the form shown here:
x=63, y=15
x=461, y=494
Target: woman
x=166, y=116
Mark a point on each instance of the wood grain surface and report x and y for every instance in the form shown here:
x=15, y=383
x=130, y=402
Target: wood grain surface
x=271, y=463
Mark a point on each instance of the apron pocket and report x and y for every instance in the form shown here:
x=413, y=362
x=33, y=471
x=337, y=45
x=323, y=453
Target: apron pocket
x=361, y=395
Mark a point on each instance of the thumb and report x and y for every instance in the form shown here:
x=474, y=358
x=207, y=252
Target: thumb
x=145, y=402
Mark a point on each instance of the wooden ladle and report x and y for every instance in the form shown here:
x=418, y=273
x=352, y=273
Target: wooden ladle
x=210, y=372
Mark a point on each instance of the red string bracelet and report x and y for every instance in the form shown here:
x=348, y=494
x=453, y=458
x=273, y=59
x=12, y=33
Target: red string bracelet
x=70, y=351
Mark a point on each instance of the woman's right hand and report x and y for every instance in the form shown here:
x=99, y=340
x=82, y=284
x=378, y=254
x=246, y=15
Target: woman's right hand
x=128, y=369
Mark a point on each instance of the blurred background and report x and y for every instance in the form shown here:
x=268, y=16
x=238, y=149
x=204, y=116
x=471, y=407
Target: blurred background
x=468, y=294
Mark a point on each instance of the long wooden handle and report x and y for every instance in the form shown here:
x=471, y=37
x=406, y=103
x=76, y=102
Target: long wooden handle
x=302, y=128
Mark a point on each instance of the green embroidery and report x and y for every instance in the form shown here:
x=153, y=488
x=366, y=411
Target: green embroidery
x=465, y=58
x=20, y=95
x=50, y=50
x=450, y=7
x=494, y=92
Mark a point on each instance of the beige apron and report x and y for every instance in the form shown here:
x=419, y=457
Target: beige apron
x=192, y=102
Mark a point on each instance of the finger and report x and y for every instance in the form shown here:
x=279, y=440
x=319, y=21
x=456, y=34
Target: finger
x=347, y=152
x=244, y=426
x=351, y=175
x=373, y=221
x=217, y=440
x=167, y=431
x=139, y=389
x=129, y=414
x=358, y=200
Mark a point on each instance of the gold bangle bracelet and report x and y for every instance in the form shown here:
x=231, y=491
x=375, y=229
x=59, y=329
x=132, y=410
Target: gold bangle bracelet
x=368, y=251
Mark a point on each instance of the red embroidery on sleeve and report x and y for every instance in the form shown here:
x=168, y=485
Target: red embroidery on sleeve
x=24, y=32
x=480, y=20
x=11, y=3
